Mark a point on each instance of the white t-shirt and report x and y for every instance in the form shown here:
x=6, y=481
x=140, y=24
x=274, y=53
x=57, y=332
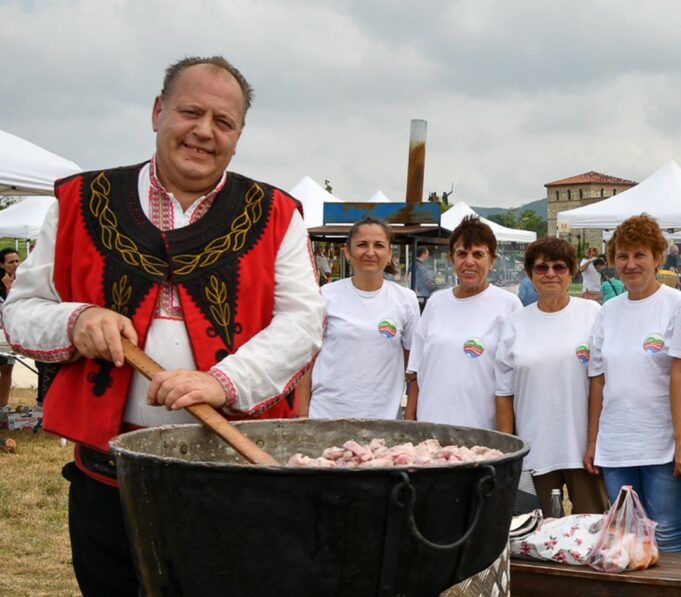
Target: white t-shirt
x=591, y=279
x=630, y=344
x=359, y=372
x=453, y=355
x=542, y=361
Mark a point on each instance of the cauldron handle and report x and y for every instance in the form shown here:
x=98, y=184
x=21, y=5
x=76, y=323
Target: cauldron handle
x=205, y=413
x=483, y=489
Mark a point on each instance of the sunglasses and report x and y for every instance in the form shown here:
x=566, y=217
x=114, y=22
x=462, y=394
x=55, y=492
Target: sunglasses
x=541, y=269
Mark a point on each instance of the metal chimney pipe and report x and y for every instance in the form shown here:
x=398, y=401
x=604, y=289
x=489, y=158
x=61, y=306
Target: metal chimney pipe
x=417, y=160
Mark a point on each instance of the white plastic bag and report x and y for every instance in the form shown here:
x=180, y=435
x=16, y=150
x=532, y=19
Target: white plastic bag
x=627, y=538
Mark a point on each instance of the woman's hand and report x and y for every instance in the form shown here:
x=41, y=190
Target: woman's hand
x=7, y=281
x=588, y=461
x=677, y=462
x=412, y=397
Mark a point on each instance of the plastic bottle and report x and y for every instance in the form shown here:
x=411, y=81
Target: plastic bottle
x=557, y=503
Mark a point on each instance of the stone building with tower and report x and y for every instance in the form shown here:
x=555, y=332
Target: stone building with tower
x=578, y=191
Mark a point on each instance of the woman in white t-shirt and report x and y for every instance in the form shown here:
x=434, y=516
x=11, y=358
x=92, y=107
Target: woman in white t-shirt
x=359, y=372
x=541, y=378
x=452, y=356
x=634, y=338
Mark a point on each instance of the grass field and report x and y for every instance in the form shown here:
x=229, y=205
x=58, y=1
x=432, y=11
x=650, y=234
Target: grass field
x=35, y=557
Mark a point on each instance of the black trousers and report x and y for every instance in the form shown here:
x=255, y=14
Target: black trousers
x=101, y=554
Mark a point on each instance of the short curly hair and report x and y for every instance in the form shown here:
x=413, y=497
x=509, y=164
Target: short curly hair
x=551, y=249
x=638, y=231
x=472, y=231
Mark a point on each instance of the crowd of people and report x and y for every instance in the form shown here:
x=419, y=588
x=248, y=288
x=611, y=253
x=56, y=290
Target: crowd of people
x=592, y=382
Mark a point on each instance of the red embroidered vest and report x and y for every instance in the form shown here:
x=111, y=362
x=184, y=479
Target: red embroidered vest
x=108, y=253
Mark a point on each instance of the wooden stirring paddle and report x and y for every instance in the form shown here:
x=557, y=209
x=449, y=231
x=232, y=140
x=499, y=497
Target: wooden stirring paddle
x=205, y=413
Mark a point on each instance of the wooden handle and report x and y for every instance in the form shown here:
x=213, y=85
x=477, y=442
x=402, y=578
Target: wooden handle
x=205, y=413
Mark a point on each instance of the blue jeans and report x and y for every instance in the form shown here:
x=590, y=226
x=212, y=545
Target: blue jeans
x=660, y=494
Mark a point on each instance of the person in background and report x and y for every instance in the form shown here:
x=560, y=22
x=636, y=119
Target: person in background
x=451, y=363
x=672, y=260
x=424, y=283
x=611, y=286
x=359, y=372
x=9, y=262
x=541, y=378
x=591, y=279
x=526, y=291
x=322, y=265
x=208, y=270
x=633, y=342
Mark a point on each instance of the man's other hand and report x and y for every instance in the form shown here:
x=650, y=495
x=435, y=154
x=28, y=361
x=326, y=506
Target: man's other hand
x=97, y=334
x=181, y=387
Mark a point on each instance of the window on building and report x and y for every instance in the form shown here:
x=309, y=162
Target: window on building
x=569, y=195
x=614, y=191
x=557, y=196
x=581, y=194
x=601, y=192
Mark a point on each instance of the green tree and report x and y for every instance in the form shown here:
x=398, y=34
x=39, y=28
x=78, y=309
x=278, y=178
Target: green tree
x=505, y=218
x=527, y=220
x=531, y=220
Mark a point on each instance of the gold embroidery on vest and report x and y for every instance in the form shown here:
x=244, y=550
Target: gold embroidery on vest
x=111, y=238
x=233, y=241
x=216, y=293
x=121, y=292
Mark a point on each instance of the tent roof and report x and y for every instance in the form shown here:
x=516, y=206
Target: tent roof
x=378, y=197
x=26, y=169
x=453, y=216
x=24, y=218
x=659, y=195
x=313, y=197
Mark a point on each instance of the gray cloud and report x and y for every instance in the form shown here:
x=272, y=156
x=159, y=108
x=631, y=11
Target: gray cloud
x=515, y=93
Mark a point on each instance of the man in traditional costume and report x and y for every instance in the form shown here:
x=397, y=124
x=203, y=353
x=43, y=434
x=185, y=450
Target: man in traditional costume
x=209, y=271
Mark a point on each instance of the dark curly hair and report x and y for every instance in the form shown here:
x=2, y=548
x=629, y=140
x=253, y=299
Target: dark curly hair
x=472, y=231
x=551, y=249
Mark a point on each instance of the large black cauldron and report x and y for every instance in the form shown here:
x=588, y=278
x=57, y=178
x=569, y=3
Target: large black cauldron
x=205, y=523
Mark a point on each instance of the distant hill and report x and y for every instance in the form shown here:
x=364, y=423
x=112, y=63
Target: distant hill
x=538, y=206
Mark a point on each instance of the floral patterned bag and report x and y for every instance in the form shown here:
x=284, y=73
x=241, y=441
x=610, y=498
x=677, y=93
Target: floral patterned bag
x=568, y=540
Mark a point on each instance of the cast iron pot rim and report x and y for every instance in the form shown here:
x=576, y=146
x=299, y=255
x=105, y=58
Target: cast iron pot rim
x=132, y=455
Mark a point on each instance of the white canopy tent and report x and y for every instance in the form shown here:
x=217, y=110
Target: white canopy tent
x=26, y=169
x=313, y=197
x=378, y=197
x=659, y=195
x=24, y=219
x=453, y=216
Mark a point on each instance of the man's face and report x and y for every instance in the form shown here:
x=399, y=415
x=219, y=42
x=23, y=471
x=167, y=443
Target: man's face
x=197, y=128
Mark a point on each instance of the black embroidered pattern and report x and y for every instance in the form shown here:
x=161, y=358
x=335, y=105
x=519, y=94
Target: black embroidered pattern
x=202, y=257
x=101, y=380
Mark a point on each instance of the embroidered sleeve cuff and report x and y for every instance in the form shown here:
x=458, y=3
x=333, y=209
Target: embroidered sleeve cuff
x=228, y=387
x=72, y=320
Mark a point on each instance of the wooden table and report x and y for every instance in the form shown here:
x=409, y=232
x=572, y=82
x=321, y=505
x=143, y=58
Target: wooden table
x=532, y=578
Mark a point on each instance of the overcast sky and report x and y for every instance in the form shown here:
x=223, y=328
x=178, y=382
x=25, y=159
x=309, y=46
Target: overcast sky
x=516, y=93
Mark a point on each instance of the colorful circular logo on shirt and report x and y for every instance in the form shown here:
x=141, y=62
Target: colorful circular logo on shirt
x=473, y=348
x=583, y=353
x=387, y=328
x=653, y=343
